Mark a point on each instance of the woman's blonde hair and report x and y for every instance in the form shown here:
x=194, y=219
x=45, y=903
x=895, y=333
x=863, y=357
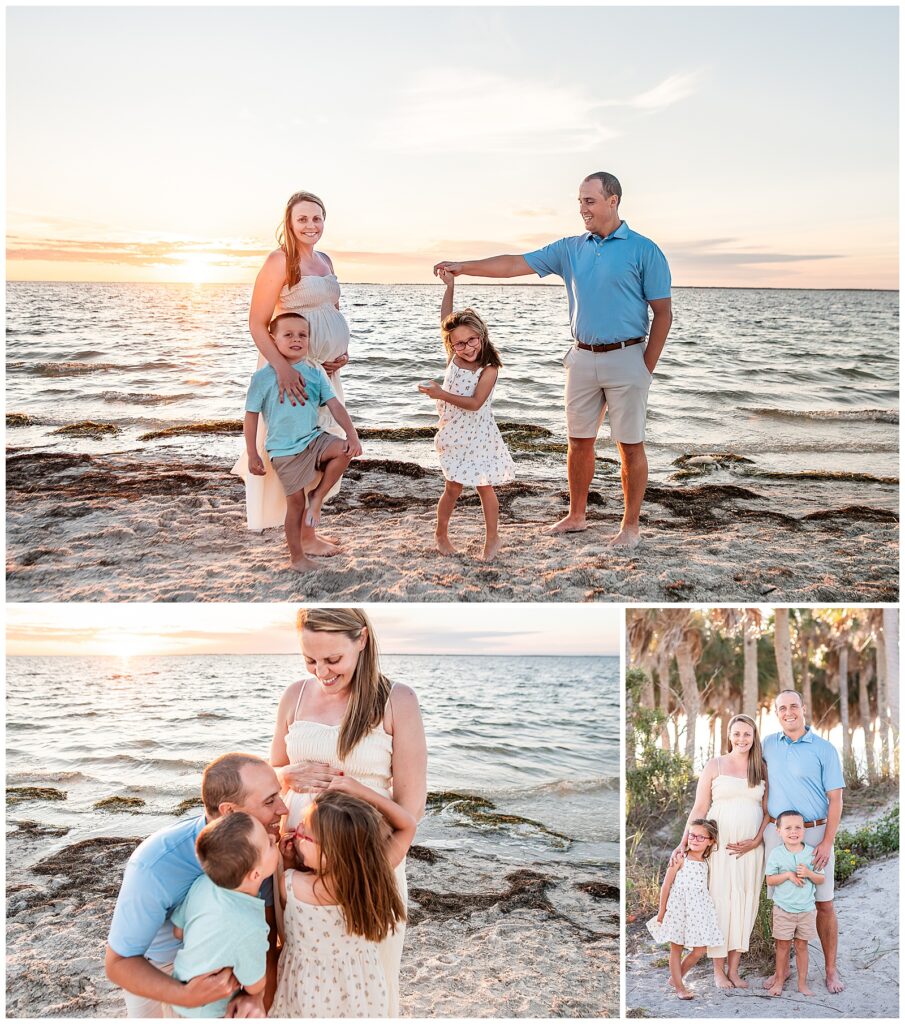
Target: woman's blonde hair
x=286, y=236
x=352, y=836
x=469, y=318
x=757, y=770
x=370, y=687
x=710, y=827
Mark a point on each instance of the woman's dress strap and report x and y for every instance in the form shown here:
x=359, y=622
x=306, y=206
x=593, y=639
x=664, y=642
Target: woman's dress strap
x=298, y=703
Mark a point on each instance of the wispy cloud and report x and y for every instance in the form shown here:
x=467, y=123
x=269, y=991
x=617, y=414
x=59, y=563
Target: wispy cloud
x=671, y=90
x=138, y=252
x=714, y=252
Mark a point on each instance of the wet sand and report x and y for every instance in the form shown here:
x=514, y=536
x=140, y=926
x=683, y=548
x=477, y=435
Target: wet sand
x=485, y=939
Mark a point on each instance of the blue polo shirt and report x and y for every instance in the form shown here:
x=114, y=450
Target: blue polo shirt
x=801, y=773
x=609, y=282
x=158, y=876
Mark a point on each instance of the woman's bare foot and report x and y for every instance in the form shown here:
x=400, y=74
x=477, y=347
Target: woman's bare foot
x=303, y=564
x=803, y=988
x=443, y=544
x=491, y=548
x=313, y=511
x=720, y=980
x=321, y=546
x=570, y=524
x=627, y=537
x=737, y=982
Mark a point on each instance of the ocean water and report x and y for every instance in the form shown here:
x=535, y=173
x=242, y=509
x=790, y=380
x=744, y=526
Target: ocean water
x=802, y=386
x=538, y=736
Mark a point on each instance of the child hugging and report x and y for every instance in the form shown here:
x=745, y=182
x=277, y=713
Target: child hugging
x=297, y=447
x=687, y=917
x=350, y=840
x=791, y=875
x=471, y=449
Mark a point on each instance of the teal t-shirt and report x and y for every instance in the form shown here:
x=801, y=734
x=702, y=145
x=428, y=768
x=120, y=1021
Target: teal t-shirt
x=792, y=898
x=222, y=928
x=290, y=428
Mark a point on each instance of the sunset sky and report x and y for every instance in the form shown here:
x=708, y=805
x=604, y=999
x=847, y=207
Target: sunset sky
x=757, y=146
x=134, y=630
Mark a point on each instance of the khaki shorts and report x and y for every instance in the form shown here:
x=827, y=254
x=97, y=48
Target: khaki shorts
x=812, y=836
x=296, y=472
x=617, y=381
x=788, y=926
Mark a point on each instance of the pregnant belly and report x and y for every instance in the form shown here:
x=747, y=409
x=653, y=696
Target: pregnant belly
x=329, y=332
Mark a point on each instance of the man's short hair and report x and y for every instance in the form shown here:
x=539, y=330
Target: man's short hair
x=608, y=182
x=222, y=781
x=227, y=850
x=797, y=694
x=785, y=814
x=284, y=316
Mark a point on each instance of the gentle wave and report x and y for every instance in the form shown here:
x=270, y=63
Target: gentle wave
x=132, y=398
x=71, y=369
x=855, y=415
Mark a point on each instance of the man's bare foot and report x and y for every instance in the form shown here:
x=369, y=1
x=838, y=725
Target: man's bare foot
x=491, y=548
x=803, y=988
x=443, y=545
x=628, y=537
x=737, y=982
x=776, y=989
x=771, y=981
x=313, y=511
x=322, y=547
x=720, y=980
x=834, y=984
x=304, y=564
x=570, y=524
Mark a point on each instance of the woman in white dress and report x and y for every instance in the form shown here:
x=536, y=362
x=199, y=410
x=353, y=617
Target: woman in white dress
x=295, y=278
x=347, y=718
x=732, y=790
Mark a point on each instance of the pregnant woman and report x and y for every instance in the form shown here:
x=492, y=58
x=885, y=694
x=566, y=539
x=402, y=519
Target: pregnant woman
x=295, y=278
x=733, y=791
x=348, y=718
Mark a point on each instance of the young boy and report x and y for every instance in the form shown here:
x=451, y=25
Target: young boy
x=790, y=872
x=298, y=448
x=221, y=921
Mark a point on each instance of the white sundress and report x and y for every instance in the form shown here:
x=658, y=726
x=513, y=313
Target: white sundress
x=315, y=298
x=471, y=448
x=690, y=918
x=323, y=970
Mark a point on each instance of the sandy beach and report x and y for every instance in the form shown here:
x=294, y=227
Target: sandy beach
x=84, y=527
x=484, y=940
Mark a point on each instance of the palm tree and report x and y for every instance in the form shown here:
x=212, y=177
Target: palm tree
x=782, y=644
x=891, y=643
x=681, y=635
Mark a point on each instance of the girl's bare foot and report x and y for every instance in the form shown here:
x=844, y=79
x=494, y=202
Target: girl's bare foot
x=720, y=980
x=737, y=982
x=491, y=549
x=803, y=988
x=443, y=544
x=313, y=512
x=304, y=564
x=321, y=546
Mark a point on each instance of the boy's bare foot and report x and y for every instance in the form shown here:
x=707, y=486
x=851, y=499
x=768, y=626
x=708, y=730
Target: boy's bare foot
x=834, y=983
x=313, y=511
x=570, y=524
x=803, y=988
x=443, y=545
x=720, y=980
x=737, y=982
x=628, y=537
x=491, y=549
x=321, y=546
x=771, y=981
x=304, y=564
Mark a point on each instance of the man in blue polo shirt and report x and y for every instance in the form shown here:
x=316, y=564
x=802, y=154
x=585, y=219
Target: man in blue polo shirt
x=613, y=276
x=141, y=946
x=805, y=775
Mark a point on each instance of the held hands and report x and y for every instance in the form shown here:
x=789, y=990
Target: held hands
x=677, y=855
x=208, y=988
x=309, y=776
x=287, y=850
x=343, y=784
x=450, y=267
x=245, y=1006
x=291, y=383
x=446, y=276
x=256, y=465
x=432, y=390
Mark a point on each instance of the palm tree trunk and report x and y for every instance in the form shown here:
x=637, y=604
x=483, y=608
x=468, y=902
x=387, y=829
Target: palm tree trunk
x=782, y=644
x=690, y=695
x=864, y=677
x=843, y=706
x=882, y=702
x=806, y=674
x=663, y=688
x=891, y=638
x=749, y=690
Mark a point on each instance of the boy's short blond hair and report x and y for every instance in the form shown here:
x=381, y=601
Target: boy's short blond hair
x=227, y=850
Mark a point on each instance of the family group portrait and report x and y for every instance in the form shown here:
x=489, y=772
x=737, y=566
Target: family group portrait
x=762, y=788
x=512, y=360
x=201, y=829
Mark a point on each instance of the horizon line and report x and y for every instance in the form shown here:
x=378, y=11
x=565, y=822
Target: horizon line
x=285, y=654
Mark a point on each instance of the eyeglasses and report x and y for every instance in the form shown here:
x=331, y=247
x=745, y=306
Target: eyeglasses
x=699, y=838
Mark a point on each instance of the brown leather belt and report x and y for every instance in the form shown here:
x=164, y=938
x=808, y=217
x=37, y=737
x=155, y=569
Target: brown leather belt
x=610, y=347
x=807, y=824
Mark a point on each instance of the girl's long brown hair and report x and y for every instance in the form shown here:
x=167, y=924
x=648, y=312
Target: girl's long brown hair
x=469, y=318
x=757, y=770
x=370, y=687
x=286, y=236
x=352, y=837
x=710, y=827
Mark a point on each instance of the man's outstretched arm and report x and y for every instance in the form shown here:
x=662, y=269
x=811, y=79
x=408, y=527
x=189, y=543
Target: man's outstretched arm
x=493, y=266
